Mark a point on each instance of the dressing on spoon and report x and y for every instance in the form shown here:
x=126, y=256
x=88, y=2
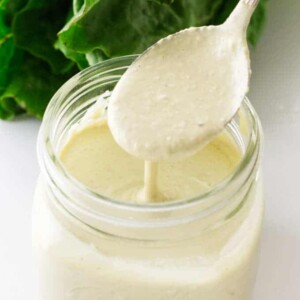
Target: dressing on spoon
x=181, y=92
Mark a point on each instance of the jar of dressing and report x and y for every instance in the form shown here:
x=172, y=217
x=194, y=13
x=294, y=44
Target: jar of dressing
x=93, y=246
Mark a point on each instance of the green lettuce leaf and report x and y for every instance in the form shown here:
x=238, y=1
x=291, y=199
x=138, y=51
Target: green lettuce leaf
x=130, y=26
x=78, y=58
x=44, y=42
x=10, y=56
x=7, y=48
x=10, y=8
x=31, y=88
x=35, y=27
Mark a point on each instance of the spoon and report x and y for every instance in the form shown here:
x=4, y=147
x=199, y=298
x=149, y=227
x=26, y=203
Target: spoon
x=183, y=90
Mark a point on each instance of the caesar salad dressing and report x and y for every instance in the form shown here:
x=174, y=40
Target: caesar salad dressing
x=150, y=191
x=181, y=92
x=78, y=261
x=93, y=157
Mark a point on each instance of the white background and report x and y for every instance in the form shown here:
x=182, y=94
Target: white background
x=275, y=93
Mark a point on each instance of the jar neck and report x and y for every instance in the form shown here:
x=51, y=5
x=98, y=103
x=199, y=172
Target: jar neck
x=132, y=221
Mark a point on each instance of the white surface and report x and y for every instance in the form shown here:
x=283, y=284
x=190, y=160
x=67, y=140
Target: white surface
x=276, y=96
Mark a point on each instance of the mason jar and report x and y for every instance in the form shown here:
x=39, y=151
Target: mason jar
x=89, y=247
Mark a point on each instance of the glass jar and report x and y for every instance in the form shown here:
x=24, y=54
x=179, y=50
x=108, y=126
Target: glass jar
x=89, y=247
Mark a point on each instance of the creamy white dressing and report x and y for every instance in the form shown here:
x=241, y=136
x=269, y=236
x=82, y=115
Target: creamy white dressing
x=93, y=157
x=169, y=108
x=181, y=92
x=76, y=263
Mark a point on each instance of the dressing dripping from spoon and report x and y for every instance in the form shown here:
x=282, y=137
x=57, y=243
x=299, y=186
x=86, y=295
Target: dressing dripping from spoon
x=181, y=92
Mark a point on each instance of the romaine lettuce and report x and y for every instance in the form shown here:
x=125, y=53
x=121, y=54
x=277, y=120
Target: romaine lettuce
x=43, y=43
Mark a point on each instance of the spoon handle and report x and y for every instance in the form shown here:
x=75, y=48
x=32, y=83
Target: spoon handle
x=241, y=15
x=252, y=3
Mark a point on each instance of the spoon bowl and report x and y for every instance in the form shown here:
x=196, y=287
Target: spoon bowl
x=183, y=90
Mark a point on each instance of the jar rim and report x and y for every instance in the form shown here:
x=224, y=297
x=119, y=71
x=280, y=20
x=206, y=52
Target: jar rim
x=45, y=146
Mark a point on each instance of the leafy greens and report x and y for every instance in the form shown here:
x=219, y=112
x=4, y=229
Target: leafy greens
x=43, y=43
